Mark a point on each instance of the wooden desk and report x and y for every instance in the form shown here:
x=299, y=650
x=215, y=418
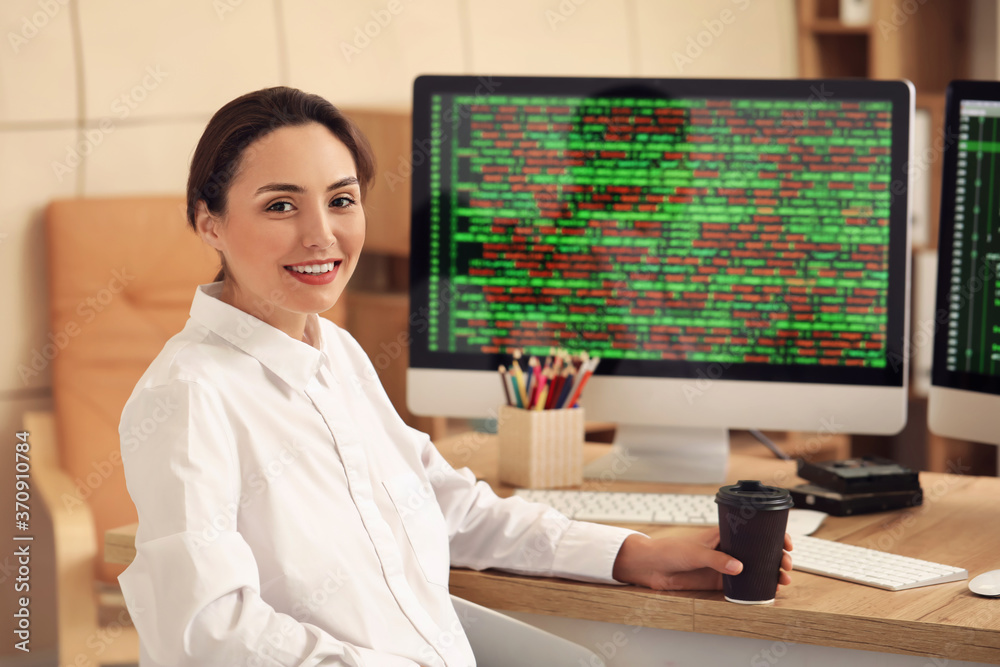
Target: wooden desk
x=959, y=524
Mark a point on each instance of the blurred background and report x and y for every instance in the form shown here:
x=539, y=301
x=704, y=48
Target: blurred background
x=104, y=98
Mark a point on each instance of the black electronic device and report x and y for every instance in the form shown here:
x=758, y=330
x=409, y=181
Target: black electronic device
x=869, y=474
x=810, y=496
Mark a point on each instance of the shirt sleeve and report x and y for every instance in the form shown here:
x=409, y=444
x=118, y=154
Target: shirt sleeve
x=513, y=534
x=193, y=590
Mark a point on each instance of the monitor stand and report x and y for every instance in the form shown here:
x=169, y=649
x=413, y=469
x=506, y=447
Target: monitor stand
x=664, y=454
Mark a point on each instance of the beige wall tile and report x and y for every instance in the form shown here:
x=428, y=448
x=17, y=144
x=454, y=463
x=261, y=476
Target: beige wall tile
x=166, y=58
x=717, y=38
x=551, y=37
x=143, y=159
x=37, y=75
x=366, y=54
x=27, y=184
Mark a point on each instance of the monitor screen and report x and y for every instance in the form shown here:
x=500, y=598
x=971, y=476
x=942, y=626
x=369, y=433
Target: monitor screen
x=731, y=230
x=967, y=336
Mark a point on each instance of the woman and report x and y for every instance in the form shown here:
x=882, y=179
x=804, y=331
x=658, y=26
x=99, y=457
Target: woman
x=287, y=515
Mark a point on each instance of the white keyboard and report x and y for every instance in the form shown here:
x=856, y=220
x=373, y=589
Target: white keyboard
x=868, y=566
x=685, y=509
x=677, y=509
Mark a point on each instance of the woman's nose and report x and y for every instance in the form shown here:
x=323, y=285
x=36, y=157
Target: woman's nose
x=317, y=229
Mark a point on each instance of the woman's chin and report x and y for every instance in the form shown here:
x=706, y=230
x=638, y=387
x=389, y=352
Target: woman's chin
x=317, y=302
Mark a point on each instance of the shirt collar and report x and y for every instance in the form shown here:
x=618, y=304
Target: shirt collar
x=292, y=360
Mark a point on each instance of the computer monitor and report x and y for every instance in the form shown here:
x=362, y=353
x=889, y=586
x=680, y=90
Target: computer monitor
x=964, y=399
x=735, y=251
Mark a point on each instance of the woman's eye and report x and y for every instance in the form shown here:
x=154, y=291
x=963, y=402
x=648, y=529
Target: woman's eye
x=280, y=207
x=341, y=201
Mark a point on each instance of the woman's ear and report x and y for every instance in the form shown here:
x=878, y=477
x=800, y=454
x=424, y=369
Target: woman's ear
x=207, y=225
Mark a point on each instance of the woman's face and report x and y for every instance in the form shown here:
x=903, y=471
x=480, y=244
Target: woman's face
x=294, y=226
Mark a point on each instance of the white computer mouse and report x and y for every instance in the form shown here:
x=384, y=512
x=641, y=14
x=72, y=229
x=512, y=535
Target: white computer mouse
x=803, y=522
x=987, y=584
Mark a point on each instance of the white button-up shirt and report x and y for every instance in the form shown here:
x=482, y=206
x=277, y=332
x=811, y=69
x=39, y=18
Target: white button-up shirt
x=288, y=516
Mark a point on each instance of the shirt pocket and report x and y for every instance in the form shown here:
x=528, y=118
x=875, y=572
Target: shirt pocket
x=423, y=524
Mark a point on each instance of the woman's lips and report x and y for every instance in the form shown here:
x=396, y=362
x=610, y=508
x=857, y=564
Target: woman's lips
x=316, y=278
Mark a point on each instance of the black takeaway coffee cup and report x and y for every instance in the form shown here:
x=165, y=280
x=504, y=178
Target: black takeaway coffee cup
x=752, y=520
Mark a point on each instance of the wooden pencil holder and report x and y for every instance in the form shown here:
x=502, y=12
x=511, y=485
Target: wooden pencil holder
x=541, y=448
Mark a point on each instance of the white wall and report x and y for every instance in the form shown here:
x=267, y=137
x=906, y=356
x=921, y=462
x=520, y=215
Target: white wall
x=108, y=97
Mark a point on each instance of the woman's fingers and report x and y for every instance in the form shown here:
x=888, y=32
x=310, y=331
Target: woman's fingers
x=710, y=537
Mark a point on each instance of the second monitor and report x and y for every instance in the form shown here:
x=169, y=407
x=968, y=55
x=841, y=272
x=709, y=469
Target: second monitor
x=735, y=251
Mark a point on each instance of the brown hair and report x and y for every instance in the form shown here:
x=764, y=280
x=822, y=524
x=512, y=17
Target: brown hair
x=239, y=123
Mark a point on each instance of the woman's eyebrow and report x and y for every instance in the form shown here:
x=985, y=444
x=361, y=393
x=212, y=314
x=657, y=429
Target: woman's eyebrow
x=279, y=187
x=347, y=180
x=298, y=189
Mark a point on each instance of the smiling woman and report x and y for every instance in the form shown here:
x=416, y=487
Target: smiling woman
x=282, y=470
x=294, y=219
x=276, y=186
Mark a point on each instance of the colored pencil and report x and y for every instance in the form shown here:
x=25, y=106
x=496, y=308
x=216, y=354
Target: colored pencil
x=586, y=371
x=564, y=389
x=554, y=389
x=531, y=380
x=541, y=387
x=542, y=396
x=519, y=379
x=506, y=387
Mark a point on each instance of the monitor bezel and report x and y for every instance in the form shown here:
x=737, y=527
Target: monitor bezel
x=957, y=92
x=899, y=93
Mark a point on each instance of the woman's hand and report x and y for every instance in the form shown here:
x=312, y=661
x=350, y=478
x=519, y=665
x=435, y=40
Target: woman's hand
x=682, y=563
